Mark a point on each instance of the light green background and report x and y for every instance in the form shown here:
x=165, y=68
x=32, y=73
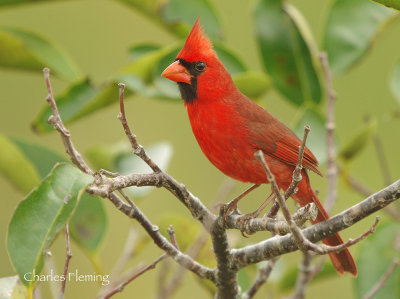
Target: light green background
x=97, y=35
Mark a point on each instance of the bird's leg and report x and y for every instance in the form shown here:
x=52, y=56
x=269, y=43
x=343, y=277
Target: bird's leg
x=232, y=205
x=244, y=218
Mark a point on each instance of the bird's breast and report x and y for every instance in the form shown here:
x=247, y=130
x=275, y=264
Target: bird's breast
x=223, y=137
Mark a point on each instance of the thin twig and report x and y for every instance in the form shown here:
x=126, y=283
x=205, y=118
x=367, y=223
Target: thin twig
x=133, y=277
x=296, y=178
x=302, y=243
x=56, y=122
x=331, y=171
x=67, y=259
x=281, y=199
x=383, y=280
x=171, y=233
x=303, y=276
x=194, y=249
x=198, y=210
x=356, y=185
x=137, y=148
x=387, y=178
x=262, y=277
x=125, y=256
x=136, y=274
x=270, y=248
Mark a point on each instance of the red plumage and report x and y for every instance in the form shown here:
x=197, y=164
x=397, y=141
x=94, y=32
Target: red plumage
x=230, y=128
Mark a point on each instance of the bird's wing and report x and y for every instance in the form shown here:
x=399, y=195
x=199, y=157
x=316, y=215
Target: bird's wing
x=274, y=138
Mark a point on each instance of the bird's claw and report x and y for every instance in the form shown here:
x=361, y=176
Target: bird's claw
x=242, y=220
x=226, y=210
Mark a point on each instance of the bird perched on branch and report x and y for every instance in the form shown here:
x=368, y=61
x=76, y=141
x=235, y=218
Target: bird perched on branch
x=230, y=128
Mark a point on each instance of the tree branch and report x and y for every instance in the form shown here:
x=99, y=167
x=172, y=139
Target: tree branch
x=226, y=277
x=197, y=208
x=280, y=227
x=280, y=245
x=67, y=259
x=383, y=280
x=332, y=170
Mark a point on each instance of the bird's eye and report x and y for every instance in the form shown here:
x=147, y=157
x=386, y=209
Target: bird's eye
x=200, y=66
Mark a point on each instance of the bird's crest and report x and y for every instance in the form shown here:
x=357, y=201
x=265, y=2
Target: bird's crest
x=197, y=44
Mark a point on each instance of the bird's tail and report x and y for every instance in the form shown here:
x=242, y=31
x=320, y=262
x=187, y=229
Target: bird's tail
x=342, y=261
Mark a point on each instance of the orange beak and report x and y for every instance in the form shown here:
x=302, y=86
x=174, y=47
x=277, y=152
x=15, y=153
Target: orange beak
x=177, y=72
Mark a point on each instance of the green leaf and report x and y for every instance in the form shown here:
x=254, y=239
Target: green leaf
x=139, y=50
x=376, y=255
x=351, y=29
x=389, y=3
x=12, y=288
x=316, y=137
x=79, y=100
x=285, y=53
x=183, y=11
x=252, y=84
x=16, y=167
x=26, y=50
x=40, y=216
x=358, y=141
x=43, y=159
x=88, y=225
x=395, y=82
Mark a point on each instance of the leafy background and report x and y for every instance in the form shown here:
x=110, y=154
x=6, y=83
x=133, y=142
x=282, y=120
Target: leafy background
x=97, y=36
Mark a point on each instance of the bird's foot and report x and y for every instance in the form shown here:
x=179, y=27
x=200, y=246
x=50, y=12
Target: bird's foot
x=242, y=220
x=228, y=209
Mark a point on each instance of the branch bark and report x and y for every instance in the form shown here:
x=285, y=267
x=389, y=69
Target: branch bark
x=281, y=245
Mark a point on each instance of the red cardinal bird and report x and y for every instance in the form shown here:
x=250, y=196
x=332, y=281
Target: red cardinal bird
x=230, y=128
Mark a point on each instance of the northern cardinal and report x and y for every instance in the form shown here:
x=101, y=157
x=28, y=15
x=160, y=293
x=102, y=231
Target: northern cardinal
x=230, y=128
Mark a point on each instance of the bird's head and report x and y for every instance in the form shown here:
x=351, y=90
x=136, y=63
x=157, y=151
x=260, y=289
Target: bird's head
x=197, y=69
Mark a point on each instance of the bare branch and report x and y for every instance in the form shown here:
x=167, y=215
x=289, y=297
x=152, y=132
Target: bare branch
x=136, y=274
x=103, y=186
x=383, y=280
x=176, y=280
x=308, y=212
x=332, y=171
x=387, y=178
x=296, y=175
x=133, y=277
x=303, y=276
x=171, y=233
x=226, y=277
x=67, y=259
x=199, y=211
x=262, y=277
x=56, y=122
x=125, y=256
x=195, y=248
x=356, y=185
x=280, y=245
x=138, y=150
